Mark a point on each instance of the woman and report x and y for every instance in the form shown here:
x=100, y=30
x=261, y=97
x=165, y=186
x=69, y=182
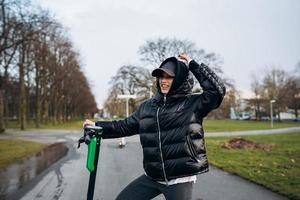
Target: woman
x=170, y=129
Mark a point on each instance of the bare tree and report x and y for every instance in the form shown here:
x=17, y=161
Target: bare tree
x=130, y=80
x=154, y=51
x=258, y=100
x=274, y=87
x=293, y=90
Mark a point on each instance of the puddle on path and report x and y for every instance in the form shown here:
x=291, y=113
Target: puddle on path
x=17, y=175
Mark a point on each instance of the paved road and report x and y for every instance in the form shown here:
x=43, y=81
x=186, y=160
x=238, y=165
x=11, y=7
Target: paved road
x=68, y=178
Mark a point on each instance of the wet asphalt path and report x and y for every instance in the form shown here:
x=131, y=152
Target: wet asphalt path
x=68, y=179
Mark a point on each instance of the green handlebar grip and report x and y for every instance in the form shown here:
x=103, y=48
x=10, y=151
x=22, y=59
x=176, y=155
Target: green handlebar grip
x=90, y=162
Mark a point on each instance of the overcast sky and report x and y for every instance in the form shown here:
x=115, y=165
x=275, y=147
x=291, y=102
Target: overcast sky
x=248, y=34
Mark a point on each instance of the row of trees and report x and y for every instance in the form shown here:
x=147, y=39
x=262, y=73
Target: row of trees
x=279, y=85
x=131, y=79
x=40, y=73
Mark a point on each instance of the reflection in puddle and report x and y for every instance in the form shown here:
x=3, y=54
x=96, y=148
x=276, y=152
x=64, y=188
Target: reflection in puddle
x=17, y=175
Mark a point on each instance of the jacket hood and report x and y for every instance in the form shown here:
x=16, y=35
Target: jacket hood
x=183, y=82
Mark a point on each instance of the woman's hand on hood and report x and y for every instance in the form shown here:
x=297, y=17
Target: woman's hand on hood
x=184, y=57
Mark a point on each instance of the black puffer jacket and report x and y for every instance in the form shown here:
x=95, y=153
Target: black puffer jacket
x=170, y=126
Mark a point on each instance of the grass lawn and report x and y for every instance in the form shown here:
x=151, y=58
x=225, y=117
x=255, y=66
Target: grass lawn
x=68, y=125
x=14, y=150
x=277, y=169
x=238, y=125
x=74, y=124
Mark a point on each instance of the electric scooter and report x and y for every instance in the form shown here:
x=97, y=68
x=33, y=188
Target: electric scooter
x=91, y=137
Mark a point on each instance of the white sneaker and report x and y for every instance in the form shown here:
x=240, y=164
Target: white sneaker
x=121, y=145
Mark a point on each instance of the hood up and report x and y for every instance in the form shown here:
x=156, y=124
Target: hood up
x=183, y=81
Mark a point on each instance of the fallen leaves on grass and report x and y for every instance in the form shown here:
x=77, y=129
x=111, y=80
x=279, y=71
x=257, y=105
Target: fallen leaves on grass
x=241, y=143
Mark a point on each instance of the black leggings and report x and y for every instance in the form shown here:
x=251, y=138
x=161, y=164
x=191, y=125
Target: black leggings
x=144, y=188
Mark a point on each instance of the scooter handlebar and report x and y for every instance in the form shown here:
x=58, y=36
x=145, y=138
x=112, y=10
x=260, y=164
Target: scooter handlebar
x=89, y=132
x=93, y=128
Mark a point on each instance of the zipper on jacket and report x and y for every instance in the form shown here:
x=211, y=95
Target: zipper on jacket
x=165, y=99
x=160, y=148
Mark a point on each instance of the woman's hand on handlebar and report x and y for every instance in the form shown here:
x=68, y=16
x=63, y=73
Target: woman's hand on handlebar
x=88, y=122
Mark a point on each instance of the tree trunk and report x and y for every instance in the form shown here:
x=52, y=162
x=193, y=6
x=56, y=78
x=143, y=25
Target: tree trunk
x=45, y=111
x=22, y=97
x=278, y=113
x=38, y=99
x=54, y=107
x=4, y=101
x=2, y=125
x=258, y=112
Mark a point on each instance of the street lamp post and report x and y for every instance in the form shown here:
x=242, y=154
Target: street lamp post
x=271, y=111
x=126, y=97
